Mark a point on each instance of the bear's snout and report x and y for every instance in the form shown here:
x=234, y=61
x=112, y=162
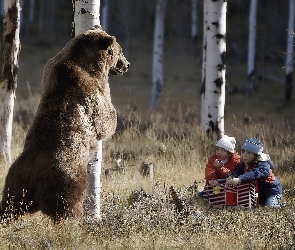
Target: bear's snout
x=121, y=67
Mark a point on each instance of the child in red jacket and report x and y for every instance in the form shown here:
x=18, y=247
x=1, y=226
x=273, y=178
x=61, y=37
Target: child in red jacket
x=222, y=162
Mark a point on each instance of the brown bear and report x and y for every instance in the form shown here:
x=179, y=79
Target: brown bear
x=75, y=111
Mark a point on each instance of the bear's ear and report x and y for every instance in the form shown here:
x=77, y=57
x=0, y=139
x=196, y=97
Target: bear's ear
x=105, y=42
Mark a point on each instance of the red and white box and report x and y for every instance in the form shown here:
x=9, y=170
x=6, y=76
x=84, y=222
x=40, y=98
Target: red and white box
x=243, y=195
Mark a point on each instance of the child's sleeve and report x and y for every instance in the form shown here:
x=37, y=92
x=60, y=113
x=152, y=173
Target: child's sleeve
x=210, y=171
x=229, y=166
x=239, y=170
x=261, y=171
x=223, y=172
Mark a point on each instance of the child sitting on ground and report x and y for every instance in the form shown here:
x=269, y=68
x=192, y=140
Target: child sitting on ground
x=222, y=162
x=256, y=165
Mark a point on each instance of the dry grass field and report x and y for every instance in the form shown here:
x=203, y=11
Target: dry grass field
x=138, y=213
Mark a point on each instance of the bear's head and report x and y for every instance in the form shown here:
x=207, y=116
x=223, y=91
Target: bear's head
x=97, y=52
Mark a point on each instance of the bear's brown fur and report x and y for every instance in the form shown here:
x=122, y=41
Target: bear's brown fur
x=75, y=111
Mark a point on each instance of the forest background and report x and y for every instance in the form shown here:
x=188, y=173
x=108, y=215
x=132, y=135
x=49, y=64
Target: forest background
x=137, y=212
x=44, y=34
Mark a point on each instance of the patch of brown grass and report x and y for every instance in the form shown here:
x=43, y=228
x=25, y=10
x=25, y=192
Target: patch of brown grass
x=138, y=213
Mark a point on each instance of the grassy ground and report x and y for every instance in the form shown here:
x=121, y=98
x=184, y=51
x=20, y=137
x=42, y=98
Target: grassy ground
x=138, y=213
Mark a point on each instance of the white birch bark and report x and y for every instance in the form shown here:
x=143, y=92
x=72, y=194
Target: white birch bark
x=213, y=91
x=251, y=47
x=85, y=17
x=104, y=15
x=93, y=181
x=9, y=70
x=194, y=17
x=290, y=50
x=157, y=67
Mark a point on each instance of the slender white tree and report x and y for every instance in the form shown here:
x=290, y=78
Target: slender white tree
x=86, y=15
x=157, y=67
x=194, y=18
x=213, y=90
x=289, y=54
x=9, y=70
x=204, y=56
x=251, y=47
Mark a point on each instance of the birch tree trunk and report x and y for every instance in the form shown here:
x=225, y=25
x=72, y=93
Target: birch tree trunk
x=9, y=70
x=289, y=54
x=86, y=15
x=213, y=91
x=194, y=16
x=157, y=67
x=251, y=47
x=204, y=56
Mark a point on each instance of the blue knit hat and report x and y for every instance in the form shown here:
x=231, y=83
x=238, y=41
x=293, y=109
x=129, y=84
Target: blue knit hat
x=253, y=145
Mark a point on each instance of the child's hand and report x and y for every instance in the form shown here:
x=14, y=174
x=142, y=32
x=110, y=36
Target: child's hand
x=235, y=181
x=217, y=164
x=213, y=183
x=228, y=179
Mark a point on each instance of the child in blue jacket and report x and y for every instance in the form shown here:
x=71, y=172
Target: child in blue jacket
x=255, y=165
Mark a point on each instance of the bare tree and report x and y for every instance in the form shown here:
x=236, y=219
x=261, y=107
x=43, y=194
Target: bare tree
x=289, y=54
x=251, y=47
x=9, y=70
x=86, y=15
x=213, y=90
x=157, y=70
x=204, y=56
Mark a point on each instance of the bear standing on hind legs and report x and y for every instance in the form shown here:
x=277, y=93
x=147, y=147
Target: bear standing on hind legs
x=75, y=111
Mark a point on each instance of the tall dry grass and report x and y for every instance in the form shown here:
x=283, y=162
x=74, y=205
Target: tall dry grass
x=138, y=213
